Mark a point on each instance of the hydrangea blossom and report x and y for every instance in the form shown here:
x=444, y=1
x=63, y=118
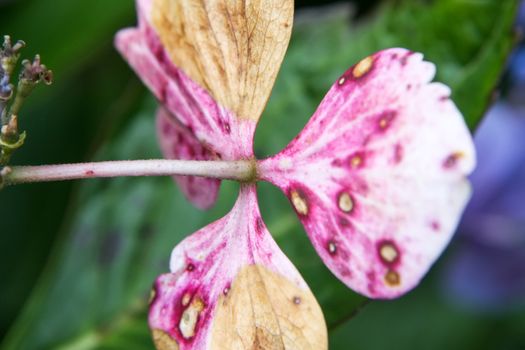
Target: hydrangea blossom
x=377, y=176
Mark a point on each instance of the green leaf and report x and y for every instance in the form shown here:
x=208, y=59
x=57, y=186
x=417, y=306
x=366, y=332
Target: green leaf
x=66, y=33
x=423, y=319
x=469, y=41
x=93, y=92
x=94, y=292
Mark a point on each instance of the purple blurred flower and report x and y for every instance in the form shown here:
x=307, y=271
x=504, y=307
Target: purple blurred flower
x=487, y=269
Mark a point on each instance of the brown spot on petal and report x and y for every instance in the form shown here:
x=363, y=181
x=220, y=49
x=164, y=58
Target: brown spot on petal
x=186, y=298
x=385, y=119
x=261, y=312
x=299, y=201
x=332, y=248
x=452, y=160
x=345, y=202
x=392, y=278
x=357, y=160
x=163, y=341
x=363, y=67
x=189, y=318
x=388, y=252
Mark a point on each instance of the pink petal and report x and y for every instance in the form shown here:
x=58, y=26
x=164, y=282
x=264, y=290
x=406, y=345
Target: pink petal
x=377, y=176
x=216, y=128
x=212, y=124
x=176, y=142
x=203, y=304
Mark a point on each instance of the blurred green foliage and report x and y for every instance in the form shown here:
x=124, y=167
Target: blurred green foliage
x=116, y=235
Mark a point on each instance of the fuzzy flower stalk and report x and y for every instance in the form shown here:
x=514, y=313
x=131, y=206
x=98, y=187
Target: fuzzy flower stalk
x=377, y=176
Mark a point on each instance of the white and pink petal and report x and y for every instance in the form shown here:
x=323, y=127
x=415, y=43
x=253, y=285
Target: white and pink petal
x=378, y=175
x=213, y=125
x=231, y=287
